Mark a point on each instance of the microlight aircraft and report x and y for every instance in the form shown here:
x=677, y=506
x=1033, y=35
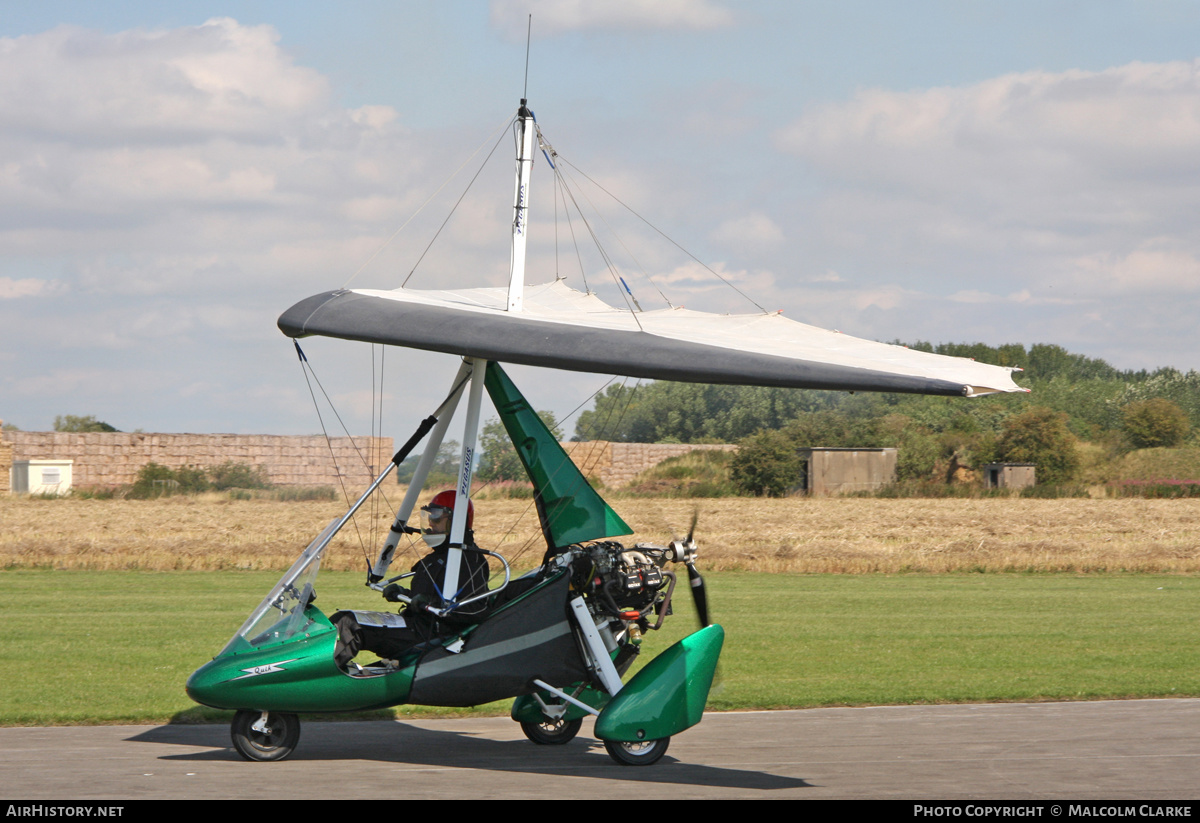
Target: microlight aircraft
x=560, y=639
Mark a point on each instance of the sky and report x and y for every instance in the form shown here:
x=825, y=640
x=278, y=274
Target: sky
x=174, y=175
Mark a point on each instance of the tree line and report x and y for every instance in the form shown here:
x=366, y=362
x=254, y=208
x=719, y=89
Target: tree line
x=1074, y=399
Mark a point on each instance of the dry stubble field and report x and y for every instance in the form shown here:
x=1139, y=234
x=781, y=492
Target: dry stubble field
x=775, y=535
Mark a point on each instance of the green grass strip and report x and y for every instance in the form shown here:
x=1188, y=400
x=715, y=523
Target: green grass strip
x=116, y=647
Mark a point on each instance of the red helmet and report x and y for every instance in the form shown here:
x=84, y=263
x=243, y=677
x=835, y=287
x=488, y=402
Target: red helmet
x=445, y=500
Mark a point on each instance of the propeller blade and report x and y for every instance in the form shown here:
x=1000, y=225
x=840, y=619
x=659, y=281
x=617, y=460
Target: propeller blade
x=699, y=595
x=695, y=520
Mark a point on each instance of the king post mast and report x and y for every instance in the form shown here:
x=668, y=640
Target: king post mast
x=525, y=134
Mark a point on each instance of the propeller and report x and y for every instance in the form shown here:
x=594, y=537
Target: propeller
x=684, y=551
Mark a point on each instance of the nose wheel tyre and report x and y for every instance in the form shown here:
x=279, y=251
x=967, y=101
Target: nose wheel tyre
x=642, y=753
x=552, y=732
x=264, y=737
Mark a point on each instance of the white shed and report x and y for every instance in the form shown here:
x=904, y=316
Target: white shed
x=41, y=476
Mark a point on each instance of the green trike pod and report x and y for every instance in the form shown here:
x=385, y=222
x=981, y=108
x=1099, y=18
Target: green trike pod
x=668, y=694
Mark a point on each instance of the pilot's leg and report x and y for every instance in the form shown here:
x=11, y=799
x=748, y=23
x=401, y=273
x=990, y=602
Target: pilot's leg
x=350, y=638
x=386, y=641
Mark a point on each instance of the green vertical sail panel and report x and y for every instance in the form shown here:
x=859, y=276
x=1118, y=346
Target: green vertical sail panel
x=570, y=509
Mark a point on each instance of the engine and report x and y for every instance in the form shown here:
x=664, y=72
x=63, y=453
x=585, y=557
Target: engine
x=627, y=591
x=629, y=584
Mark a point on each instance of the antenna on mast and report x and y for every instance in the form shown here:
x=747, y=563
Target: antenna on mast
x=528, y=32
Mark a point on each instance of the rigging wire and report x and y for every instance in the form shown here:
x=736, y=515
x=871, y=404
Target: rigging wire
x=602, y=427
x=372, y=450
x=411, y=544
x=665, y=235
x=376, y=431
x=557, y=273
x=524, y=547
x=621, y=242
x=377, y=451
x=375, y=455
x=574, y=239
x=533, y=537
x=421, y=207
x=612, y=269
x=307, y=368
x=459, y=200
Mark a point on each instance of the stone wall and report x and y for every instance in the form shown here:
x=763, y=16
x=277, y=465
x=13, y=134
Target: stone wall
x=617, y=464
x=6, y=461
x=114, y=458
x=105, y=459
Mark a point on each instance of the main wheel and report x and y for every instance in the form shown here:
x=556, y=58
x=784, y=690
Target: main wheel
x=274, y=739
x=552, y=732
x=642, y=753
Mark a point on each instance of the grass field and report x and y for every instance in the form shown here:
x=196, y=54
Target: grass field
x=116, y=647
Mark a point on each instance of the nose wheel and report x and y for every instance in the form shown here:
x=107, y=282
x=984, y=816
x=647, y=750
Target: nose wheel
x=642, y=753
x=265, y=736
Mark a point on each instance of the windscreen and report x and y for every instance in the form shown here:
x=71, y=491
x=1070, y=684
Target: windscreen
x=280, y=615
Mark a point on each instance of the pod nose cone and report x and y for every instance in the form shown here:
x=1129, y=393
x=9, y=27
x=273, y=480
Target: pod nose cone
x=202, y=685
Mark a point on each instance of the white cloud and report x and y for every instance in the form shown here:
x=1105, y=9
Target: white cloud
x=145, y=155
x=12, y=288
x=1022, y=145
x=887, y=298
x=372, y=208
x=749, y=231
x=1146, y=269
x=1061, y=185
x=705, y=288
x=1024, y=296
x=68, y=382
x=556, y=16
x=1119, y=109
x=694, y=275
x=217, y=79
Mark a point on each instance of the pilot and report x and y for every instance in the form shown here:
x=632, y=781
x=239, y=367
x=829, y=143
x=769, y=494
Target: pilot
x=389, y=635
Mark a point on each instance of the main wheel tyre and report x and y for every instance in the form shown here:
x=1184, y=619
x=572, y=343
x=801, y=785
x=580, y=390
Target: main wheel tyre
x=552, y=732
x=274, y=739
x=642, y=753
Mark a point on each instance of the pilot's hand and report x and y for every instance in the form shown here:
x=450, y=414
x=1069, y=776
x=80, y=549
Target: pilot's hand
x=418, y=601
x=393, y=592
